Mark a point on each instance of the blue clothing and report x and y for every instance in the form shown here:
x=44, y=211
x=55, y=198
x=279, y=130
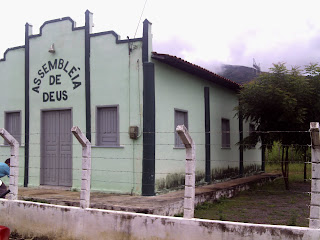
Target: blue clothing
x=4, y=170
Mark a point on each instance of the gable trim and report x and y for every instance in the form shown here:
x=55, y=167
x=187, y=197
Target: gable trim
x=9, y=49
x=74, y=28
x=116, y=36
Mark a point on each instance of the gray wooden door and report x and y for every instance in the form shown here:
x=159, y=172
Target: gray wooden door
x=56, y=154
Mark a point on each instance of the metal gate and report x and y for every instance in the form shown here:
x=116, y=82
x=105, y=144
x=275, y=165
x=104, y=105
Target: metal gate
x=56, y=148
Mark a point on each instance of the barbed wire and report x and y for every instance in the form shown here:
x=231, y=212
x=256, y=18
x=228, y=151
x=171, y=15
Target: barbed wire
x=160, y=142
x=103, y=177
x=121, y=145
x=181, y=186
x=230, y=171
x=230, y=161
x=171, y=132
x=159, y=159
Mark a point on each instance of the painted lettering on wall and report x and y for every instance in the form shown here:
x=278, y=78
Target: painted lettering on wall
x=45, y=75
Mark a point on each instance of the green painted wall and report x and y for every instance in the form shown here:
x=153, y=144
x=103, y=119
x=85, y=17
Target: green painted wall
x=116, y=79
x=12, y=85
x=177, y=89
x=224, y=161
x=252, y=157
x=69, y=46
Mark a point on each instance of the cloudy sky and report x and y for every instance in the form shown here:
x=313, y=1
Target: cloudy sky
x=204, y=32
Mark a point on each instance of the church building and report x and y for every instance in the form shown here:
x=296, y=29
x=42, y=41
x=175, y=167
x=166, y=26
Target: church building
x=127, y=100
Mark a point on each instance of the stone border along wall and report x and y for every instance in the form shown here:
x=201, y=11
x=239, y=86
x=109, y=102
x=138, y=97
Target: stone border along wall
x=61, y=222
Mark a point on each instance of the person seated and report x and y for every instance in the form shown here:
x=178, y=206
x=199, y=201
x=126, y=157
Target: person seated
x=4, y=171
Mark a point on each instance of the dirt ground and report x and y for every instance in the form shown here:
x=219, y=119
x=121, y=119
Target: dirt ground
x=269, y=204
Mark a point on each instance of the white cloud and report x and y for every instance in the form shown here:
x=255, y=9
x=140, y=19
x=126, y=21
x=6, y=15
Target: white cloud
x=203, y=31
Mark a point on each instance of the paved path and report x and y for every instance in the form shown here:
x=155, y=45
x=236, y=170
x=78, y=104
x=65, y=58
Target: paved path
x=165, y=204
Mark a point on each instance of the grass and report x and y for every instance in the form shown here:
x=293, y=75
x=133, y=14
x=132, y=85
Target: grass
x=268, y=204
x=35, y=200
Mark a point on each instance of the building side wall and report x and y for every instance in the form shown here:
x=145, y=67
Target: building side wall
x=224, y=161
x=12, y=99
x=252, y=157
x=176, y=89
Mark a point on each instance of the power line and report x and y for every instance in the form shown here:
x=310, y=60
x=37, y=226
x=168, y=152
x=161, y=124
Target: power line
x=140, y=18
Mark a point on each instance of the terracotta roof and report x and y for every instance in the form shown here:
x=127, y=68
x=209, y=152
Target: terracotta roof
x=195, y=70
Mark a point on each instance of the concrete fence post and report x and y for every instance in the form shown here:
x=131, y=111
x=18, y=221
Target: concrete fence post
x=14, y=163
x=190, y=178
x=86, y=167
x=314, y=220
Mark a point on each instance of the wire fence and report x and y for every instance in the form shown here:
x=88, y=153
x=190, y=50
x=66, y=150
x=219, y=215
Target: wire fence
x=121, y=167
x=127, y=157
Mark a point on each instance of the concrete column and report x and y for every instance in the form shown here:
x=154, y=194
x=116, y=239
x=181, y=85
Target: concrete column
x=14, y=163
x=190, y=178
x=314, y=221
x=86, y=167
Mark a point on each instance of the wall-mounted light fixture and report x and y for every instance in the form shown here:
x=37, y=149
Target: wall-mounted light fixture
x=51, y=49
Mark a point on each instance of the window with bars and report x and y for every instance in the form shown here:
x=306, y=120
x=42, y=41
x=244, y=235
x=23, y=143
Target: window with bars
x=107, y=126
x=13, y=125
x=225, y=129
x=180, y=118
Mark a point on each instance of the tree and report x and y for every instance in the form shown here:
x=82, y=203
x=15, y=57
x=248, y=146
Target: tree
x=279, y=103
x=313, y=78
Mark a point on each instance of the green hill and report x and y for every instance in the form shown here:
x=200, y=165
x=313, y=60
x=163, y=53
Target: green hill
x=239, y=74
